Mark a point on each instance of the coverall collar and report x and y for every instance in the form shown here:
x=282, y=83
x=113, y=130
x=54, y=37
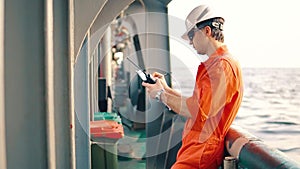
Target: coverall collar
x=219, y=52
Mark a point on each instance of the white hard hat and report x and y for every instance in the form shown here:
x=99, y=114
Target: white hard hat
x=198, y=14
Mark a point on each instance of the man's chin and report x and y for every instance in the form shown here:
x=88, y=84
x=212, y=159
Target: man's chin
x=200, y=53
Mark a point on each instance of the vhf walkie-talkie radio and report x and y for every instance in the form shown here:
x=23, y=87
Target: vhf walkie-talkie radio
x=148, y=78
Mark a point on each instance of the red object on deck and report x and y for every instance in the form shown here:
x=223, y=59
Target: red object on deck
x=106, y=129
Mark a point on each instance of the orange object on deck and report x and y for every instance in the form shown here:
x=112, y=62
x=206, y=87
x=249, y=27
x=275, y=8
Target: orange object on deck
x=106, y=129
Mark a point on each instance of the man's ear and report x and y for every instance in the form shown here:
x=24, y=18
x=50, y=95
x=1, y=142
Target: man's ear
x=207, y=30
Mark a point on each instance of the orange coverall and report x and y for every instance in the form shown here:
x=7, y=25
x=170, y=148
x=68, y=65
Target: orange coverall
x=214, y=104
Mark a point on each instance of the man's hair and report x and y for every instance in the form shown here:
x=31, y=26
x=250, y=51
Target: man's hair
x=217, y=33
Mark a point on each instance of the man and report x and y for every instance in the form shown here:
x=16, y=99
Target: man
x=216, y=97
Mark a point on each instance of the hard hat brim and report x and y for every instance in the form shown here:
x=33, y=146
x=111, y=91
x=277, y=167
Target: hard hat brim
x=185, y=35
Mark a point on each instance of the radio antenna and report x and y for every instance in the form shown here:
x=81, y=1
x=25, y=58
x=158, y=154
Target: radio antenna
x=133, y=63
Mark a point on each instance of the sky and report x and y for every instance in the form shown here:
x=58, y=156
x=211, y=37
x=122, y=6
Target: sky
x=259, y=33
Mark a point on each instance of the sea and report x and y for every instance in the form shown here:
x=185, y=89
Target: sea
x=270, y=109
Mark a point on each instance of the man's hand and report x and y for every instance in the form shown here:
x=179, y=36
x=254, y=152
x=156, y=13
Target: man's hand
x=162, y=79
x=152, y=89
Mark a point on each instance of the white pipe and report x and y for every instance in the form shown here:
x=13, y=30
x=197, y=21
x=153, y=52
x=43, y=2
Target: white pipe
x=2, y=95
x=49, y=74
x=106, y=62
x=71, y=64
